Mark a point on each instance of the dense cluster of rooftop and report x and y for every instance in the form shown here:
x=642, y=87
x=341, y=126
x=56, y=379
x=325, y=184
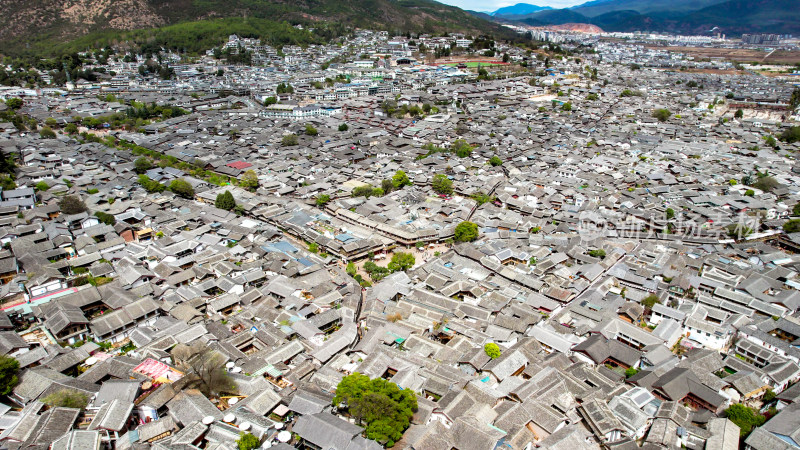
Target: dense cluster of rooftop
x=567, y=253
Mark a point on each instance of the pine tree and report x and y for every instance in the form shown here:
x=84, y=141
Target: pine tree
x=225, y=201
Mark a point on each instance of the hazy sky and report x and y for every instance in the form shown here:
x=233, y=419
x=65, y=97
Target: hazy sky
x=492, y=5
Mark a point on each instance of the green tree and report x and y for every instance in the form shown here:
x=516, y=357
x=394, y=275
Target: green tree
x=738, y=114
x=247, y=441
x=466, y=232
x=351, y=269
x=270, y=101
x=343, y=127
x=323, y=200
x=51, y=122
x=7, y=184
x=400, y=179
x=72, y=204
x=792, y=226
x=461, y=148
x=289, y=140
x=749, y=193
x=310, y=130
x=442, y=185
x=794, y=100
x=766, y=183
x=387, y=185
x=284, y=88
x=795, y=209
x=790, y=135
x=9, y=369
x=362, y=191
x=182, y=188
x=662, y=114
x=41, y=186
x=71, y=128
x=225, y=201
x=744, y=417
x=670, y=213
x=47, y=133
x=401, y=261
x=597, y=253
x=738, y=231
x=14, y=103
x=376, y=272
x=630, y=371
x=769, y=395
x=481, y=198
x=249, y=180
x=495, y=161
x=142, y=165
x=67, y=398
x=150, y=185
x=381, y=405
x=105, y=218
x=771, y=141
x=649, y=301
x=566, y=106
x=492, y=350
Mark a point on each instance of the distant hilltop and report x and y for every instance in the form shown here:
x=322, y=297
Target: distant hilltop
x=519, y=9
x=732, y=17
x=34, y=24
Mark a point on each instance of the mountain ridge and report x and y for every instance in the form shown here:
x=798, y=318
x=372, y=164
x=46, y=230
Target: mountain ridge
x=518, y=9
x=24, y=23
x=732, y=17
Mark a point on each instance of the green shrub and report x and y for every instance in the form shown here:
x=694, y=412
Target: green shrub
x=492, y=350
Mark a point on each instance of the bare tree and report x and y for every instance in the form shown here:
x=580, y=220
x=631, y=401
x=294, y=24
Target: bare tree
x=205, y=370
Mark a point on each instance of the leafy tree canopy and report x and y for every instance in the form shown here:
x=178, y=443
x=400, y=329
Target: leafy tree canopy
x=461, y=148
x=442, y=185
x=650, y=301
x=401, y=261
x=792, y=226
x=323, y=200
x=247, y=441
x=790, y=135
x=400, y=179
x=150, y=185
x=289, y=140
x=381, y=405
x=225, y=201
x=182, y=188
x=142, y=165
x=249, y=180
x=9, y=368
x=744, y=417
x=466, y=232
x=662, y=114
